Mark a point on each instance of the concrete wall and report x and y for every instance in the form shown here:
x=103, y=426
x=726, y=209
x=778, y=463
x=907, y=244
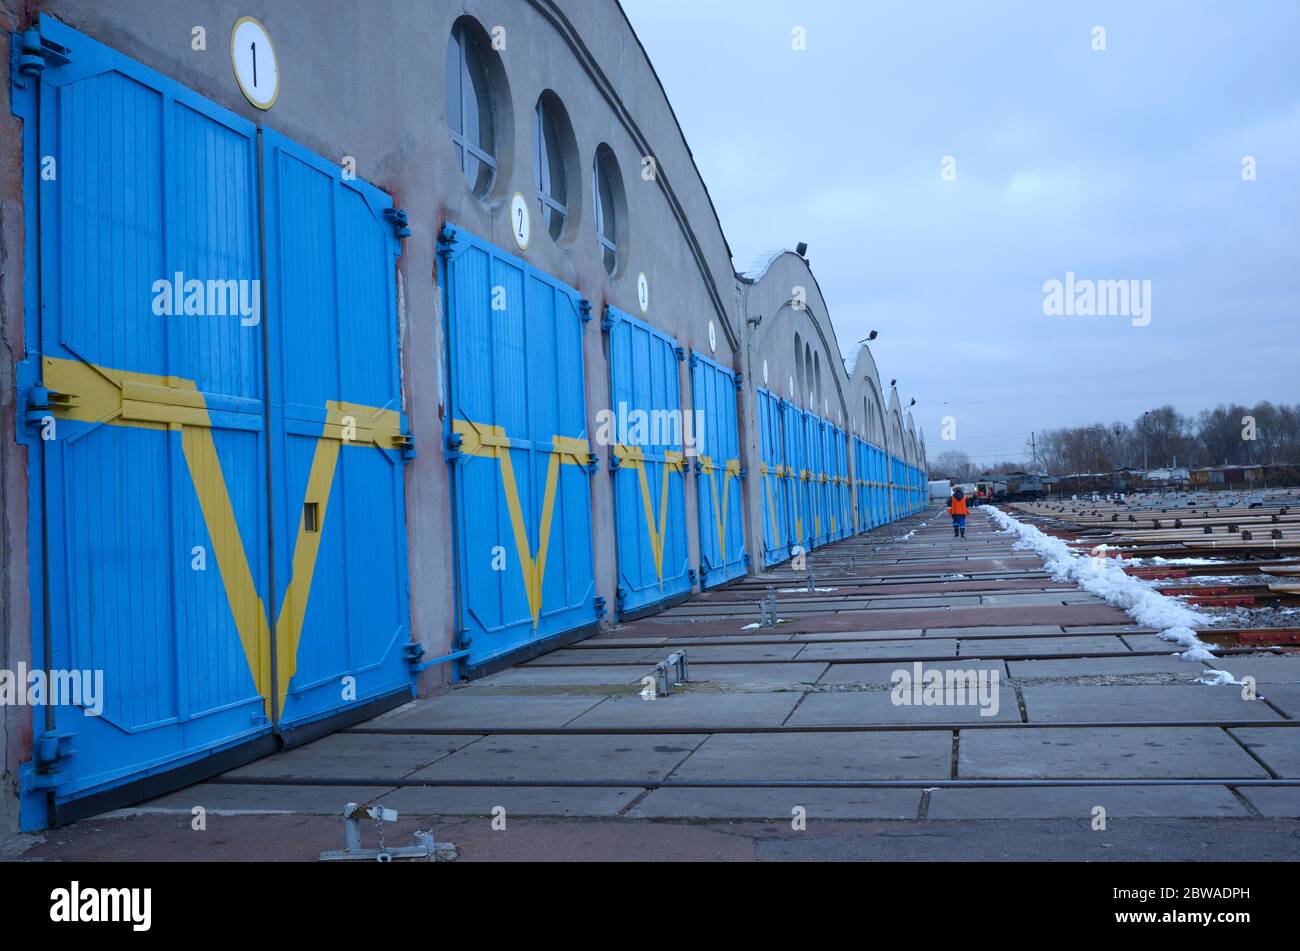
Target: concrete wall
x=365, y=80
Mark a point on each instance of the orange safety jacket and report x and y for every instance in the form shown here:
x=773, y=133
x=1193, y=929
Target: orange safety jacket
x=957, y=506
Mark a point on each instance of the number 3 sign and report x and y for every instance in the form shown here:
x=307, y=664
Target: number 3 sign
x=253, y=58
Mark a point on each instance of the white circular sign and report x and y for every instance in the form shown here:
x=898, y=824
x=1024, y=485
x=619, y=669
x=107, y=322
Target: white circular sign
x=253, y=58
x=521, y=225
x=764, y=372
x=713, y=338
x=643, y=292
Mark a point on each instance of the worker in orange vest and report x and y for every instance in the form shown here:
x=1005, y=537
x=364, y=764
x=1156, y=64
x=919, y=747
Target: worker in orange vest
x=957, y=509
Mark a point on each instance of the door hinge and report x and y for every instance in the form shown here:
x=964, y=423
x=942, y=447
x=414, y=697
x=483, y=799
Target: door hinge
x=446, y=240
x=397, y=218
x=452, y=445
x=50, y=754
x=41, y=400
x=607, y=322
x=405, y=442
x=593, y=463
x=681, y=353
x=599, y=603
x=695, y=360
x=740, y=382
x=584, y=310
x=33, y=54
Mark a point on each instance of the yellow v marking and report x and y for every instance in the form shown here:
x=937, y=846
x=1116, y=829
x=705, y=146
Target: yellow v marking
x=167, y=403
x=633, y=457
x=492, y=442
x=732, y=468
x=776, y=524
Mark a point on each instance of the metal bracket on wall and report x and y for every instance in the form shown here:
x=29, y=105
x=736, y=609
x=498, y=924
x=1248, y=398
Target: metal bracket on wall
x=397, y=218
x=453, y=444
x=599, y=602
x=740, y=382
x=405, y=442
x=681, y=353
x=30, y=56
x=446, y=241
x=584, y=310
x=50, y=754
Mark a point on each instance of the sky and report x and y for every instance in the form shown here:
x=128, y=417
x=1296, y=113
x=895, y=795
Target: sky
x=945, y=160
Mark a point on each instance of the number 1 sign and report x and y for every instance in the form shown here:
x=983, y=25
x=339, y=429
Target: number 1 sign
x=253, y=59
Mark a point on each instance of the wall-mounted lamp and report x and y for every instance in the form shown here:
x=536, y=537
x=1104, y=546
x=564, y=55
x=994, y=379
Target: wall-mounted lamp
x=755, y=320
x=801, y=249
x=893, y=383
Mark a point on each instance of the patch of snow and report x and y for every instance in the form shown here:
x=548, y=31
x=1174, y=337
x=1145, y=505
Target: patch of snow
x=1106, y=579
x=758, y=267
x=802, y=590
x=1218, y=678
x=751, y=627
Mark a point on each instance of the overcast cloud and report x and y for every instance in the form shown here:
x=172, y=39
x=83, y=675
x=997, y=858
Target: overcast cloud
x=1119, y=164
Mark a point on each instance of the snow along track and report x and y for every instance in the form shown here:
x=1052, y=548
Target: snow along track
x=1106, y=579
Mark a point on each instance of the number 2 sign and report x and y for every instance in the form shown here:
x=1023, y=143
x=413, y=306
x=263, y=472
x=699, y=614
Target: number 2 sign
x=253, y=59
x=521, y=225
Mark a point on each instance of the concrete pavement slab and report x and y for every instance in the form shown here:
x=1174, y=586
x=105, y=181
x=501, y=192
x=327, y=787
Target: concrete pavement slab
x=713, y=709
x=867, y=707
x=468, y=708
x=618, y=757
x=777, y=804
x=610, y=676
x=354, y=756
x=1149, y=642
x=1278, y=748
x=1265, y=668
x=1010, y=646
x=617, y=655
x=1057, y=703
x=1025, y=630
x=601, y=801
x=738, y=652
x=791, y=675
x=1286, y=697
x=232, y=797
x=1274, y=802
x=1097, y=667
x=908, y=633
x=820, y=756
x=1104, y=753
x=1077, y=802
x=883, y=673
x=921, y=647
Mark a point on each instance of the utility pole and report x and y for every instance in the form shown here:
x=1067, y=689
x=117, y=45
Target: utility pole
x=1033, y=448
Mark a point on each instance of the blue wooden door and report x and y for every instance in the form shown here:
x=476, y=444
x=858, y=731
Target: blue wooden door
x=517, y=445
x=649, y=464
